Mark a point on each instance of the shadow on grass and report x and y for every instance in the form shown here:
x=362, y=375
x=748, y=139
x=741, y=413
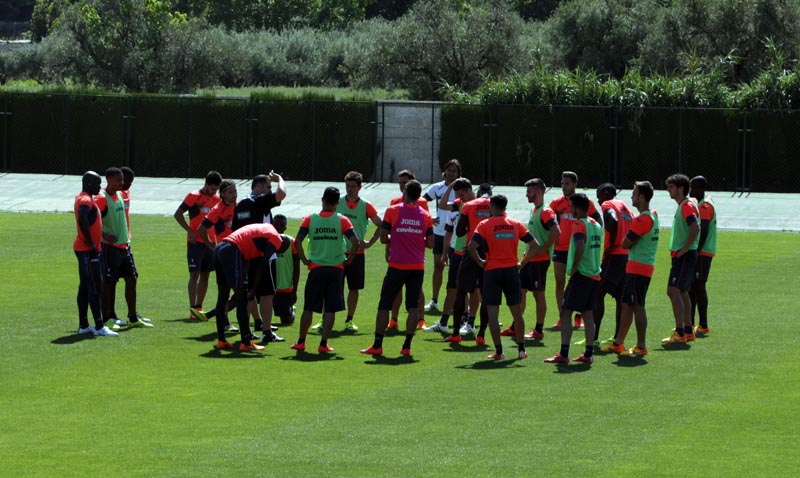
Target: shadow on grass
x=673, y=347
x=572, y=368
x=188, y=320
x=231, y=354
x=209, y=337
x=461, y=347
x=72, y=338
x=311, y=357
x=534, y=343
x=401, y=360
x=625, y=361
x=492, y=365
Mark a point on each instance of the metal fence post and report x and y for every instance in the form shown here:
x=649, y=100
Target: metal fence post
x=680, y=139
x=65, y=105
x=313, y=138
x=552, y=145
x=6, y=113
x=189, y=132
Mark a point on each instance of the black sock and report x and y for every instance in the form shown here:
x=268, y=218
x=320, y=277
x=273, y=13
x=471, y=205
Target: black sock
x=378, y=341
x=323, y=343
x=301, y=341
x=680, y=331
x=349, y=318
x=564, y=350
x=131, y=318
x=407, y=341
x=498, y=349
x=211, y=314
x=589, y=351
x=687, y=329
x=258, y=324
x=471, y=320
x=482, y=330
x=521, y=346
x=540, y=328
x=444, y=319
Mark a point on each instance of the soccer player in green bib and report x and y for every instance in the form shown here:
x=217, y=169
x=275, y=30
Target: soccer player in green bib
x=326, y=260
x=360, y=212
x=683, y=243
x=642, y=243
x=707, y=249
x=583, y=266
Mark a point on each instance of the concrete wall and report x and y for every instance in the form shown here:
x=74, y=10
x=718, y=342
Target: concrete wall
x=408, y=137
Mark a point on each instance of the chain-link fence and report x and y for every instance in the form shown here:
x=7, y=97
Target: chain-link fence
x=736, y=150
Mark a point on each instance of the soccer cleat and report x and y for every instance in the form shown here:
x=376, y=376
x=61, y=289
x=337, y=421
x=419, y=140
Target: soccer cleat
x=372, y=351
x=534, y=334
x=350, y=325
x=250, y=348
x=437, y=327
x=324, y=349
x=143, y=319
x=480, y=340
x=231, y=328
x=496, y=356
x=271, y=337
x=432, y=306
x=467, y=329
x=105, y=332
x=584, y=359
x=612, y=347
x=198, y=314
x=392, y=324
x=86, y=330
x=557, y=325
x=405, y=351
x=607, y=341
x=522, y=354
x=317, y=326
x=578, y=322
x=117, y=322
x=701, y=331
x=455, y=339
x=224, y=344
x=635, y=352
x=421, y=324
x=674, y=339
x=509, y=332
x=557, y=358
x=690, y=337
x=582, y=342
x=140, y=323
x=300, y=347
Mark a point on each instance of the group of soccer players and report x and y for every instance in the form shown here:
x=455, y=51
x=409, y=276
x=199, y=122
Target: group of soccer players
x=607, y=251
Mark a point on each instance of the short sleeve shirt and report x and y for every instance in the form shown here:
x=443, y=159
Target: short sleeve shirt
x=501, y=235
x=199, y=205
x=254, y=240
x=85, y=201
x=561, y=206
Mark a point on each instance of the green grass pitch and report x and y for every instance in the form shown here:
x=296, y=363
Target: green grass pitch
x=162, y=402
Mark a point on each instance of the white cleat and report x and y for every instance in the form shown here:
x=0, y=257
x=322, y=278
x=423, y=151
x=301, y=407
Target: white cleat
x=105, y=332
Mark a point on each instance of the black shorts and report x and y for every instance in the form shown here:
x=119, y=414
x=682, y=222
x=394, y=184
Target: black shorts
x=282, y=306
x=438, y=244
x=560, y=256
x=534, y=275
x=324, y=290
x=703, y=268
x=117, y=263
x=502, y=282
x=200, y=257
x=394, y=280
x=354, y=273
x=612, y=274
x=266, y=286
x=470, y=275
x=634, y=289
x=230, y=266
x=580, y=294
x=681, y=275
x=452, y=272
